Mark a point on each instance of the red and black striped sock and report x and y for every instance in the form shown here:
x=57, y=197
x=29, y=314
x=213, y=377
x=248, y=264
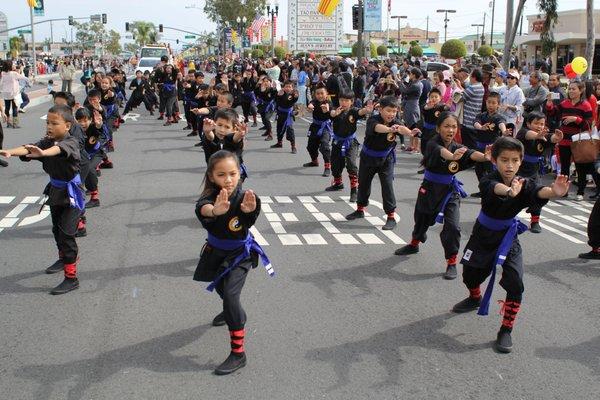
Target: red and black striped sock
x=451, y=260
x=327, y=165
x=337, y=180
x=510, y=309
x=475, y=293
x=237, y=341
x=535, y=218
x=414, y=243
x=353, y=181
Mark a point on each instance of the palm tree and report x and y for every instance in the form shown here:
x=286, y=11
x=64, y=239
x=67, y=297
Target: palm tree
x=144, y=32
x=511, y=29
x=589, y=47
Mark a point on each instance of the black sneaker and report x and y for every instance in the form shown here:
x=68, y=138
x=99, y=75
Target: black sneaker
x=198, y=144
x=326, y=172
x=187, y=128
x=592, y=197
x=3, y=163
x=406, y=250
x=277, y=145
x=167, y=123
x=219, y=320
x=92, y=203
x=311, y=164
x=262, y=128
x=468, y=304
x=334, y=187
x=450, y=272
x=504, y=342
x=66, y=286
x=591, y=255
x=233, y=363
x=353, y=195
x=192, y=133
x=535, y=227
x=254, y=124
x=294, y=151
x=81, y=232
x=356, y=214
x=161, y=117
x=476, y=195
x=268, y=138
x=390, y=224
x=58, y=266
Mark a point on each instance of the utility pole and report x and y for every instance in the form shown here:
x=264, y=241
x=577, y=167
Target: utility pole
x=492, y=31
x=446, y=21
x=34, y=67
x=483, y=31
x=51, y=33
x=359, y=35
x=475, y=47
x=427, y=31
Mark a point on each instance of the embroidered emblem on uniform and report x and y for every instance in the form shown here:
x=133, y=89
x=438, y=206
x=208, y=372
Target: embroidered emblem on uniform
x=351, y=119
x=422, y=190
x=234, y=224
x=468, y=254
x=92, y=140
x=453, y=166
x=540, y=147
x=437, y=114
x=391, y=137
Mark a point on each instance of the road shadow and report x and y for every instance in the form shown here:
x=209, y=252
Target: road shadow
x=358, y=276
x=546, y=270
x=152, y=203
x=190, y=149
x=198, y=171
x=153, y=355
x=389, y=346
x=586, y=353
x=160, y=228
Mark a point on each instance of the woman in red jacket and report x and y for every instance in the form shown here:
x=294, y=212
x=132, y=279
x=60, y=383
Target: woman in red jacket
x=575, y=115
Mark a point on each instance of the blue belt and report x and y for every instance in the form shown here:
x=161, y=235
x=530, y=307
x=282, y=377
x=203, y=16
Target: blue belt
x=243, y=171
x=380, y=154
x=249, y=244
x=289, y=120
x=455, y=186
x=513, y=228
x=346, y=142
x=76, y=196
x=536, y=160
x=250, y=95
x=95, y=150
x=168, y=87
x=270, y=106
x=481, y=145
x=427, y=125
x=110, y=110
x=323, y=126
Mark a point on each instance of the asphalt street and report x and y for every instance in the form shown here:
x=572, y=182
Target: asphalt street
x=343, y=318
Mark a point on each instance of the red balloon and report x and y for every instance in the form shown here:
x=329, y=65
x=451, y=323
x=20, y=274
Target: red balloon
x=568, y=70
x=572, y=75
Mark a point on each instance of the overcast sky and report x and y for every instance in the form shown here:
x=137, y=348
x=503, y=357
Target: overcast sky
x=174, y=13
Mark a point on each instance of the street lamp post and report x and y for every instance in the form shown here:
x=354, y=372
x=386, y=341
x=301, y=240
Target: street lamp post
x=476, y=37
x=446, y=21
x=399, y=17
x=241, y=25
x=273, y=11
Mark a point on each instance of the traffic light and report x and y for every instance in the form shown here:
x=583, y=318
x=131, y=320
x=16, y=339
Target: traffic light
x=177, y=41
x=160, y=28
x=357, y=18
x=104, y=19
x=127, y=26
x=71, y=20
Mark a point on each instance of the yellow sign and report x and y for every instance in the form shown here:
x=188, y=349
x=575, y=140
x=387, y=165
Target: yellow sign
x=32, y=3
x=326, y=7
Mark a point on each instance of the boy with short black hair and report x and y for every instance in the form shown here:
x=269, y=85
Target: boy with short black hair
x=378, y=156
x=320, y=130
x=494, y=240
x=226, y=132
x=285, y=100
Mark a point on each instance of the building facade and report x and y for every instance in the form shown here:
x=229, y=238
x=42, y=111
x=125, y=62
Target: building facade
x=4, y=43
x=407, y=34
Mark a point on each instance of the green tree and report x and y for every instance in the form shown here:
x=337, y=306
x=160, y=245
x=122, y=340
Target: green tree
x=485, y=51
x=382, y=50
x=90, y=33
x=15, y=44
x=280, y=52
x=371, y=45
x=402, y=44
x=132, y=47
x=415, y=50
x=257, y=53
x=229, y=10
x=548, y=7
x=113, y=45
x=453, y=49
x=144, y=32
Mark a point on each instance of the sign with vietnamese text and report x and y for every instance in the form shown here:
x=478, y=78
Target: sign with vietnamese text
x=372, y=16
x=310, y=31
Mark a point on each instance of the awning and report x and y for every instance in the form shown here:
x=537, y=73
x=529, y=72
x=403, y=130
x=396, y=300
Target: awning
x=559, y=38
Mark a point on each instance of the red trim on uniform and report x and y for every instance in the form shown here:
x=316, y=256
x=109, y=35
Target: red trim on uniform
x=71, y=270
x=414, y=243
x=353, y=181
x=452, y=260
x=361, y=208
x=391, y=214
x=94, y=195
x=337, y=180
x=237, y=341
x=535, y=218
x=509, y=310
x=80, y=224
x=475, y=293
x=327, y=165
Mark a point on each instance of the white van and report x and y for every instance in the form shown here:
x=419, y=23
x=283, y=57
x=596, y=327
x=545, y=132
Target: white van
x=147, y=64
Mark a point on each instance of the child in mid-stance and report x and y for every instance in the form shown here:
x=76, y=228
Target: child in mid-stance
x=285, y=100
x=494, y=242
x=59, y=154
x=320, y=130
x=227, y=212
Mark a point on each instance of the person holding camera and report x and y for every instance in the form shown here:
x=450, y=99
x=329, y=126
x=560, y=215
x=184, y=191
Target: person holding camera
x=536, y=95
x=66, y=71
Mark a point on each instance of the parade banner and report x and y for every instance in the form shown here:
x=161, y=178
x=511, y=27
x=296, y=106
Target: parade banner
x=372, y=16
x=327, y=7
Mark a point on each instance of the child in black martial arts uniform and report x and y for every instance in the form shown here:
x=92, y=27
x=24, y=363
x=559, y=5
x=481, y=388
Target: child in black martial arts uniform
x=320, y=130
x=248, y=100
x=285, y=100
x=593, y=231
x=535, y=138
x=139, y=85
x=489, y=126
x=93, y=102
x=59, y=153
x=227, y=212
x=190, y=91
x=265, y=100
x=494, y=242
x=224, y=102
x=431, y=112
x=439, y=196
x=91, y=122
x=344, y=151
x=109, y=102
x=225, y=132
x=378, y=156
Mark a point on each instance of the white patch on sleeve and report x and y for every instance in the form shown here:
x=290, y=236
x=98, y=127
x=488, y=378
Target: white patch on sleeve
x=468, y=254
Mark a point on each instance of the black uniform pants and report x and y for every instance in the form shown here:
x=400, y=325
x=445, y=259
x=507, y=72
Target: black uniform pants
x=512, y=274
x=593, y=227
x=230, y=289
x=64, y=227
x=450, y=234
x=339, y=162
x=161, y=102
x=248, y=108
x=582, y=169
x=319, y=143
x=287, y=131
x=91, y=180
x=266, y=120
x=1, y=136
x=170, y=100
x=384, y=168
x=468, y=135
x=135, y=100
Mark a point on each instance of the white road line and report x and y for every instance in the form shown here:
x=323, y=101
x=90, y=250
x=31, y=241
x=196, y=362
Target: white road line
x=393, y=237
x=567, y=227
x=8, y=222
x=559, y=233
x=30, y=199
x=16, y=211
x=266, y=208
x=272, y=217
x=35, y=218
x=6, y=199
x=277, y=227
x=582, y=218
x=353, y=205
x=290, y=217
x=314, y=239
x=566, y=217
x=306, y=199
x=345, y=238
x=320, y=217
x=266, y=199
x=324, y=199
x=259, y=238
x=289, y=240
x=376, y=221
x=310, y=208
x=337, y=217
x=330, y=228
x=283, y=199
x=369, y=238
x=577, y=206
x=306, y=120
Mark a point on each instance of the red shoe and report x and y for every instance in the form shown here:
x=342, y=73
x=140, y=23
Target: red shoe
x=106, y=164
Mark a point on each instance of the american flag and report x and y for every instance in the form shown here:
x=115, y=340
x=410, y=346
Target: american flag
x=258, y=22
